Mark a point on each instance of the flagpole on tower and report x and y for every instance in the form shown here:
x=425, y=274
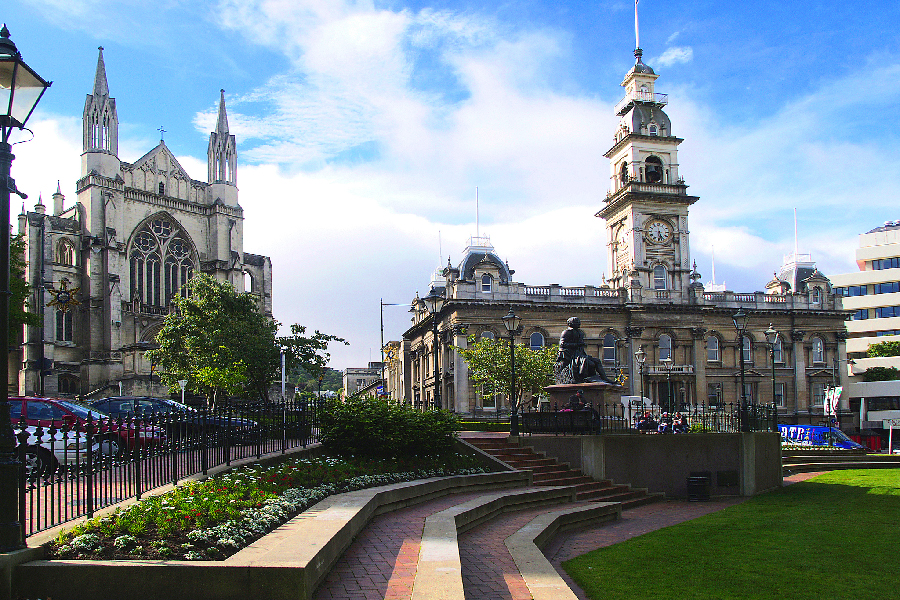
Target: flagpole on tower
x=637, y=35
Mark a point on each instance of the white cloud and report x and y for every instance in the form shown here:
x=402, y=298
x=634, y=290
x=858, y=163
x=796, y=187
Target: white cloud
x=674, y=55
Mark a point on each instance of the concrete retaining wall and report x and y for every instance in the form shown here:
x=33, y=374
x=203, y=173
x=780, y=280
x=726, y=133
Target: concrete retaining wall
x=739, y=464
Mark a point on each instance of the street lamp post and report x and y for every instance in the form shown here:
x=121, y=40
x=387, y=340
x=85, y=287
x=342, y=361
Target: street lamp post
x=772, y=339
x=434, y=302
x=511, y=322
x=640, y=356
x=20, y=90
x=740, y=319
x=667, y=365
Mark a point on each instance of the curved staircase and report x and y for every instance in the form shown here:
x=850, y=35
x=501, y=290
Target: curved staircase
x=550, y=472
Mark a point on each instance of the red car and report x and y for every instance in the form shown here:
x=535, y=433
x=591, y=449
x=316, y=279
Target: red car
x=114, y=437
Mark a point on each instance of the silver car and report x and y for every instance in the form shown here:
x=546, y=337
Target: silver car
x=46, y=455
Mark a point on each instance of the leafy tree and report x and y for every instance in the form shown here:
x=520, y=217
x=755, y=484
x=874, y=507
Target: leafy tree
x=883, y=349
x=219, y=341
x=881, y=374
x=19, y=291
x=332, y=379
x=308, y=353
x=489, y=362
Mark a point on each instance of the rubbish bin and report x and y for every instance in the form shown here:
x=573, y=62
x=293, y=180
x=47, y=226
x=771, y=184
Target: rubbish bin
x=698, y=487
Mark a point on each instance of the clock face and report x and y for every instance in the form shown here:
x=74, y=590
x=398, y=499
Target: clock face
x=658, y=231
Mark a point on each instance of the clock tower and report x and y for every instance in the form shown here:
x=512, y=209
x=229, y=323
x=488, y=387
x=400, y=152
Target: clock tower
x=646, y=209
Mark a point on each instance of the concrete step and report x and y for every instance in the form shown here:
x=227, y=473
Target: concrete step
x=555, y=475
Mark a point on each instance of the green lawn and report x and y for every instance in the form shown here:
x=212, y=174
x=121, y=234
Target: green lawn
x=836, y=536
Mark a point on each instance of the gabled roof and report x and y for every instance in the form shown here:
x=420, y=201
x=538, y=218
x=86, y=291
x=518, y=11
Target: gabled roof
x=150, y=157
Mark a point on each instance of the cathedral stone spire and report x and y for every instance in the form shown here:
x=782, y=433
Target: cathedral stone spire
x=222, y=122
x=222, y=152
x=100, y=121
x=101, y=88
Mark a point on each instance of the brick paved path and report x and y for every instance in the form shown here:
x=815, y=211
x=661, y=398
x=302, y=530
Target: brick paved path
x=380, y=564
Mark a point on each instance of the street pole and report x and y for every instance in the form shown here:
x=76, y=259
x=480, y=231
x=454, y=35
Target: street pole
x=514, y=417
x=22, y=90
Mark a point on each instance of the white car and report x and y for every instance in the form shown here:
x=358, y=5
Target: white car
x=46, y=455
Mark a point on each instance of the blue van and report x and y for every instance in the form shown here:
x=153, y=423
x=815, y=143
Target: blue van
x=817, y=435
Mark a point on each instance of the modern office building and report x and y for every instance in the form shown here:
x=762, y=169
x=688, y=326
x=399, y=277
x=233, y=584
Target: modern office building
x=873, y=294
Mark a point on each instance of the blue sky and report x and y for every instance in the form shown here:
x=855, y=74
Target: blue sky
x=363, y=129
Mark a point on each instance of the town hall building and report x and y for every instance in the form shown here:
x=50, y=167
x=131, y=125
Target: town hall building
x=104, y=270
x=654, y=300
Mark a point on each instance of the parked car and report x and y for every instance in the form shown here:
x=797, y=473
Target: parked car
x=178, y=419
x=52, y=451
x=115, y=437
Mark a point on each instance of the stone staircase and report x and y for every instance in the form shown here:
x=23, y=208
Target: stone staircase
x=550, y=472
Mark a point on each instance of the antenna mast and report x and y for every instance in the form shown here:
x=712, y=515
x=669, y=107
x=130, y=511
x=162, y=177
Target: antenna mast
x=713, y=256
x=796, y=242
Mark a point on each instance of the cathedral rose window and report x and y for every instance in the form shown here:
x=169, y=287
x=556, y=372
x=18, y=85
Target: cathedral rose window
x=161, y=262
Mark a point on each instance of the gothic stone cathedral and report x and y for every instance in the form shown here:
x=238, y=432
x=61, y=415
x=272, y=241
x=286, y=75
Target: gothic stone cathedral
x=137, y=232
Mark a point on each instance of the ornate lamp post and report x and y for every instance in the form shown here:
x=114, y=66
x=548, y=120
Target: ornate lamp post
x=771, y=340
x=641, y=357
x=740, y=319
x=434, y=302
x=20, y=90
x=511, y=322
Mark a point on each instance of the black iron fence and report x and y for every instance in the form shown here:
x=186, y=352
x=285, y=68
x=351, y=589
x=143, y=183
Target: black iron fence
x=615, y=417
x=72, y=469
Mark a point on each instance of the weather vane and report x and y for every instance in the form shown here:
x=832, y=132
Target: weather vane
x=63, y=298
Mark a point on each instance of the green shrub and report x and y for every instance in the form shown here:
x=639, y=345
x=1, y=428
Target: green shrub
x=881, y=374
x=380, y=429
x=883, y=349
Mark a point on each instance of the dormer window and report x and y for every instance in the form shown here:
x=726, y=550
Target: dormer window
x=486, y=282
x=654, y=130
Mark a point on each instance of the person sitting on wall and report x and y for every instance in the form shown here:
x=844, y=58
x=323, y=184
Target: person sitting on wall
x=680, y=424
x=665, y=423
x=647, y=423
x=576, y=401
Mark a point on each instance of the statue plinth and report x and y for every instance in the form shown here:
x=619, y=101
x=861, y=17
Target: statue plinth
x=596, y=393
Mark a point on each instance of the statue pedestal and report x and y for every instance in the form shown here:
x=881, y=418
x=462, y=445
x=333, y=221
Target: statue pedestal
x=595, y=393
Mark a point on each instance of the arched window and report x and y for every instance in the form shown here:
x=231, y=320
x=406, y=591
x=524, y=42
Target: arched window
x=623, y=173
x=536, y=341
x=67, y=384
x=665, y=346
x=816, y=295
x=65, y=253
x=653, y=129
x=778, y=351
x=162, y=188
x=486, y=282
x=488, y=335
x=748, y=350
x=65, y=329
x=161, y=262
x=609, y=348
x=659, y=277
x=653, y=170
x=818, y=351
x=248, y=282
x=712, y=348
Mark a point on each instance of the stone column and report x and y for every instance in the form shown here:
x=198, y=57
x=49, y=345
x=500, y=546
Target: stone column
x=801, y=391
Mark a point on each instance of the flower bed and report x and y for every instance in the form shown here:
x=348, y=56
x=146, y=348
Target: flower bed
x=213, y=519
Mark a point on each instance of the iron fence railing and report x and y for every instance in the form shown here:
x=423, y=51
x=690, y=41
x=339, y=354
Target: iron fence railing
x=72, y=469
x=615, y=417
